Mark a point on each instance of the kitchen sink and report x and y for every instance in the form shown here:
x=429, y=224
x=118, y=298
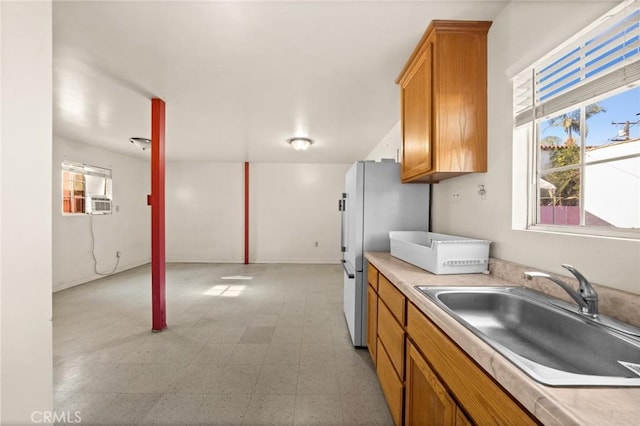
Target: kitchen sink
x=541, y=336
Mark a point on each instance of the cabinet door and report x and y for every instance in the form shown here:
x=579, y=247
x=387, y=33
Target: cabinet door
x=372, y=321
x=427, y=402
x=461, y=419
x=416, y=118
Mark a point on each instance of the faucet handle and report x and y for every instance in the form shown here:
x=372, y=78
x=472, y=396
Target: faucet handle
x=585, y=288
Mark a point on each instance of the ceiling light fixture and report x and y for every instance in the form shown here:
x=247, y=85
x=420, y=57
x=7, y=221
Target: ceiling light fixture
x=300, y=144
x=142, y=143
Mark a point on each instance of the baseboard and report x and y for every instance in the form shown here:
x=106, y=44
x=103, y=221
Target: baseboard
x=204, y=261
x=93, y=277
x=299, y=262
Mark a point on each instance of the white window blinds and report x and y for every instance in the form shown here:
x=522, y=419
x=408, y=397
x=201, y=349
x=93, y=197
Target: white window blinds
x=602, y=58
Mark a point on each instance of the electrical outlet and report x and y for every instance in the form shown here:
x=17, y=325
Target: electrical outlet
x=118, y=254
x=456, y=197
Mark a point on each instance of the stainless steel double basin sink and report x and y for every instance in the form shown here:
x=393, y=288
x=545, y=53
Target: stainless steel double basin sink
x=546, y=338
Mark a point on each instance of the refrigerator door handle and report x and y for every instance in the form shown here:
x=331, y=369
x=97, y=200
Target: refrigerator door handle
x=351, y=274
x=343, y=223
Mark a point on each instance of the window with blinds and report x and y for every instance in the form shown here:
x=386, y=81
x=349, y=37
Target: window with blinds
x=582, y=104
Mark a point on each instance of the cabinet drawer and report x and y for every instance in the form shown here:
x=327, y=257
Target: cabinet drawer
x=483, y=399
x=372, y=276
x=393, y=298
x=391, y=385
x=392, y=336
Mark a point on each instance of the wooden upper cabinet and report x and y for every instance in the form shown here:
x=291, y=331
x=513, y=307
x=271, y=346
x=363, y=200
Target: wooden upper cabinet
x=444, y=102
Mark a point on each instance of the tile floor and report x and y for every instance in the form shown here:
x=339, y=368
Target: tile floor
x=272, y=349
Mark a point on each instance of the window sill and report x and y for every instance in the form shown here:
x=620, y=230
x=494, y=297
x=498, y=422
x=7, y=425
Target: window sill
x=607, y=233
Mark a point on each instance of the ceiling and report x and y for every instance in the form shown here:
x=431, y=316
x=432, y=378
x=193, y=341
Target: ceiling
x=239, y=78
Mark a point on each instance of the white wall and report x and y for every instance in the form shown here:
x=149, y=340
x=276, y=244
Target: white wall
x=127, y=230
x=204, y=212
x=517, y=39
x=293, y=206
x=389, y=147
x=25, y=212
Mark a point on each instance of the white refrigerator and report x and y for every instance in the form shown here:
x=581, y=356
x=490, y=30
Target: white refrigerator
x=374, y=203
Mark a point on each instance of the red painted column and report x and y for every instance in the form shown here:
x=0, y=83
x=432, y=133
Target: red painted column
x=246, y=212
x=158, y=300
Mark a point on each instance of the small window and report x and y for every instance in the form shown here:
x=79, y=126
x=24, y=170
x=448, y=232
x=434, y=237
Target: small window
x=86, y=189
x=582, y=104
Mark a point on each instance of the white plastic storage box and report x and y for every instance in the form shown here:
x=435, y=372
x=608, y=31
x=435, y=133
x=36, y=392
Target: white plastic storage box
x=441, y=253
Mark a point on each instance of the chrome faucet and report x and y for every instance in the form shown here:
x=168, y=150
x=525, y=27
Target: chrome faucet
x=586, y=296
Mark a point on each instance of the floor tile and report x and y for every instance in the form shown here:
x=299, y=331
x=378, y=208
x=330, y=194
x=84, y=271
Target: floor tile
x=277, y=379
x=318, y=410
x=257, y=335
x=292, y=318
x=112, y=377
x=124, y=409
x=288, y=334
x=317, y=335
x=174, y=409
x=270, y=410
x=365, y=409
x=156, y=378
x=197, y=378
x=249, y=353
x=227, y=333
x=214, y=353
x=283, y=353
x=353, y=378
x=237, y=378
x=317, y=379
x=317, y=354
x=222, y=409
x=264, y=320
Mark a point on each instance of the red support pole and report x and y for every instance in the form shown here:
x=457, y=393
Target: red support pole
x=246, y=212
x=158, y=300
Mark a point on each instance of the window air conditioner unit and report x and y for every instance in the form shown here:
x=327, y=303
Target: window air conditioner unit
x=99, y=205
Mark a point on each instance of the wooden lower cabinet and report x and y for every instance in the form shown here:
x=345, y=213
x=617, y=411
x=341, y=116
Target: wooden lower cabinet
x=482, y=398
x=425, y=377
x=372, y=322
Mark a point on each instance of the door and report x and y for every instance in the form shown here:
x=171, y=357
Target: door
x=352, y=205
x=427, y=402
x=352, y=305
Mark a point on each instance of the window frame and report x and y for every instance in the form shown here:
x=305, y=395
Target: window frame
x=527, y=80
x=85, y=170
